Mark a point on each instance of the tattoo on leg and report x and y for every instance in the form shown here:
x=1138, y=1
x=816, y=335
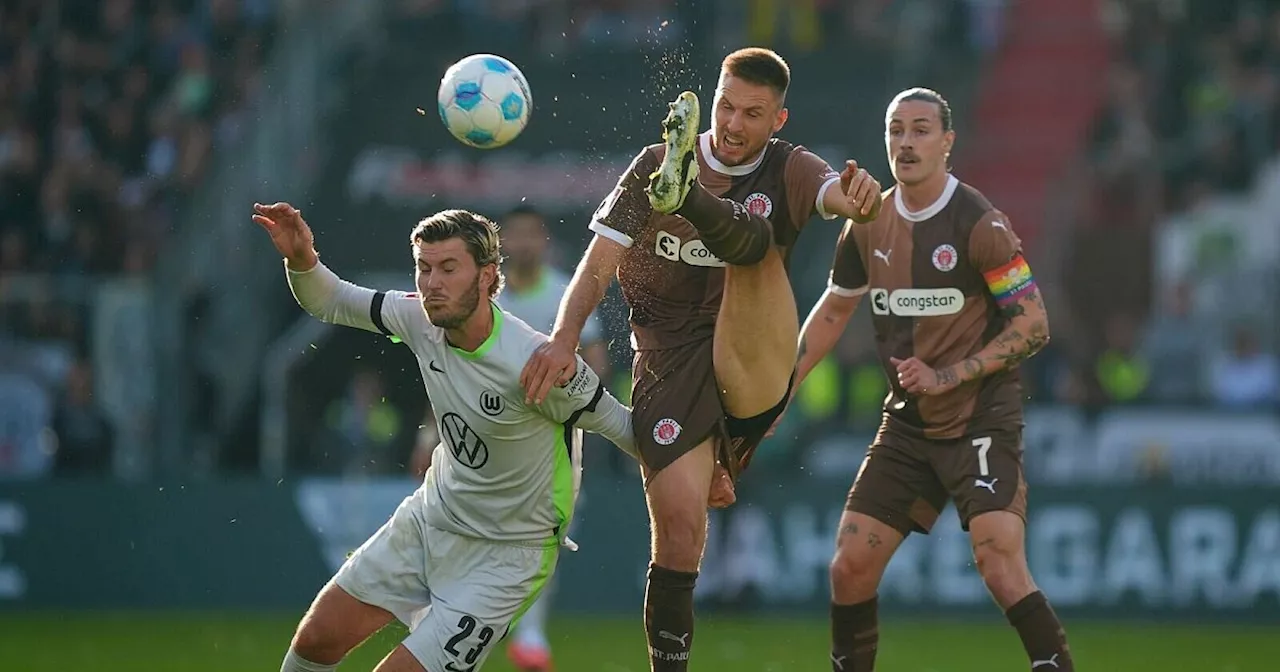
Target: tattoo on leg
x=873, y=539
x=851, y=528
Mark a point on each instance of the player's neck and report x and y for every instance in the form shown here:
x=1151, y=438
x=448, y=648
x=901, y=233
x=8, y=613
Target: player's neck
x=921, y=195
x=475, y=331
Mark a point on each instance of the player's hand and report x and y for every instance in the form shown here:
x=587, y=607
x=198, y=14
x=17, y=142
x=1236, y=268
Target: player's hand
x=289, y=233
x=916, y=377
x=553, y=363
x=862, y=190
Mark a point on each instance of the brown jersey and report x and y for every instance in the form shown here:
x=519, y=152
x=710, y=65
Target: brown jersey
x=672, y=283
x=933, y=279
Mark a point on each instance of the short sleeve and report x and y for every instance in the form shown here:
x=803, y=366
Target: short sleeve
x=397, y=314
x=995, y=251
x=808, y=177
x=581, y=392
x=848, y=270
x=622, y=214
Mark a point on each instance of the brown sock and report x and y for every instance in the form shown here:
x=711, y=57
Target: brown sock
x=1041, y=633
x=726, y=227
x=668, y=618
x=855, y=635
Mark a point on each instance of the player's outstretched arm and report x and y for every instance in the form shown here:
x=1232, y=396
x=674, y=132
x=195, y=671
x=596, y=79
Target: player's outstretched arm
x=553, y=363
x=318, y=290
x=859, y=197
x=583, y=402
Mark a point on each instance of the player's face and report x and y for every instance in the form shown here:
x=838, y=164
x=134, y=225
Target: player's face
x=915, y=141
x=746, y=116
x=524, y=240
x=449, y=281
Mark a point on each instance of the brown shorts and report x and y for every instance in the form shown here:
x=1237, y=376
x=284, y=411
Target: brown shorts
x=905, y=482
x=676, y=406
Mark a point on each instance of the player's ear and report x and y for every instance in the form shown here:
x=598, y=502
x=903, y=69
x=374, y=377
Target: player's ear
x=948, y=141
x=489, y=277
x=780, y=120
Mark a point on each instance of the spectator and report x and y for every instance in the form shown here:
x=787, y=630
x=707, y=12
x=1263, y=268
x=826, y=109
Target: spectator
x=1245, y=377
x=1172, y=348
x=84, y=436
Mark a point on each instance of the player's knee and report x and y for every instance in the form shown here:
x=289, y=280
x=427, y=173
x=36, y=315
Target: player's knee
x=1003, y=567
x=313, y=644
x=855, y=576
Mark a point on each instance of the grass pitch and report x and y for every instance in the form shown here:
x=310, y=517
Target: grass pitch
x=230, y=642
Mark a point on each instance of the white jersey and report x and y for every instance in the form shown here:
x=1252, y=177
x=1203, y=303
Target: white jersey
x=504, y=470
x=538, y=305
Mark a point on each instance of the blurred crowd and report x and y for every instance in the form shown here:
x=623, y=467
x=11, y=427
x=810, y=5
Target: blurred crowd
x=111, y=109
x=109, y=113
x=1182, y=180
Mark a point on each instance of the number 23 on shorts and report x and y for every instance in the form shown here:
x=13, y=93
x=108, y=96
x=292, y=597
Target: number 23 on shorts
x=466, y=628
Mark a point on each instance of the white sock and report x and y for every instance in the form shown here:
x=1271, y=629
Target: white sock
x=532, y=628
x=295, y=663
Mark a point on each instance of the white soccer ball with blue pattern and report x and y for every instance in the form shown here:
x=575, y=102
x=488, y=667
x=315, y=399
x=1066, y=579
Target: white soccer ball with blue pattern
x=484, y=101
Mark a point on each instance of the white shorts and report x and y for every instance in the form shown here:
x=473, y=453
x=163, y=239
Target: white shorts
x=458, y=595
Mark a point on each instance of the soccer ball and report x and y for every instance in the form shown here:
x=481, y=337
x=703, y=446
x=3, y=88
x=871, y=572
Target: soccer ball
x=484, y=101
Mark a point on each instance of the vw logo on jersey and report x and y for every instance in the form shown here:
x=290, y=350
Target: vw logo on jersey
x=492, y=404
x=945, y=258
x=759, y=204
x=467, y=447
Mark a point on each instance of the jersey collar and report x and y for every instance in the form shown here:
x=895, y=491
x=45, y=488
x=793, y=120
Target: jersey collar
x=498, y=320
x=933, y=209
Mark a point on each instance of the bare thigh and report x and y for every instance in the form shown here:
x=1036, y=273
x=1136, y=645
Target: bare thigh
x=335, y=624
x=677, y=497
x=756, y=335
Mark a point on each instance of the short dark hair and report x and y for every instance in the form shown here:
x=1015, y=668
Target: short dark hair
x=763, y=67
x=477, y=232
x=928, y=96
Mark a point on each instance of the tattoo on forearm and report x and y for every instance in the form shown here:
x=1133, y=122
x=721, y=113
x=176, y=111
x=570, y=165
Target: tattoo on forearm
x=1014, y=310
x=947, y=376
x=804, y=347
x=972, y=368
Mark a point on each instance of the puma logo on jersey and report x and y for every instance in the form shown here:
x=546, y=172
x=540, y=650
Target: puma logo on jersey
x=1053, y=661
x=692, y=252
x=883, y=255
x=979, y=483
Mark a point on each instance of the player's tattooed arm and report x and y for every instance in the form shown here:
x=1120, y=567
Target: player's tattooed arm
x=1026, y=334
x=822, y=329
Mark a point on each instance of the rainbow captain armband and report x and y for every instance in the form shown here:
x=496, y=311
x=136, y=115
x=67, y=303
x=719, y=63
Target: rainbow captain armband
x=1010, y=282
